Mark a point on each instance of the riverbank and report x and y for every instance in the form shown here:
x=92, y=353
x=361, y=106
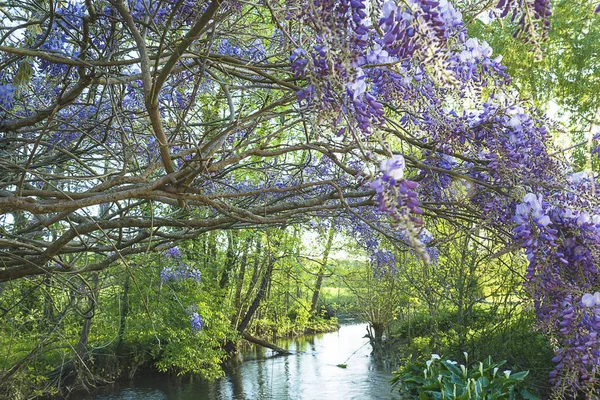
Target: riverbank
x=121, y=370
x=310, y=372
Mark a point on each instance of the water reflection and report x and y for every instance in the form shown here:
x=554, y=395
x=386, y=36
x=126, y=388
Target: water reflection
x=310, y=373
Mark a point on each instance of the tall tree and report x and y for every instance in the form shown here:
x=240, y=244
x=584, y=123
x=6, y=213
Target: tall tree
x=321, y=270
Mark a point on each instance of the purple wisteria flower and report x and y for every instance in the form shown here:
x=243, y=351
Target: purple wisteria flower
x=196, y=321
x=393, y=168
x=591, y=300
x=7, y=96
x=383, y=262
x=531, y=206
x=180, y=273
x=174, y=252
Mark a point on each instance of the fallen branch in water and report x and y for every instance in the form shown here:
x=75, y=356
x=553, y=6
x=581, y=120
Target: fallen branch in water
x=263, y=343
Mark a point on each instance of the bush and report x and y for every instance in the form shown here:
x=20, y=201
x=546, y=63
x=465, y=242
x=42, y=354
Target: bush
x=437, y=379
x=497, y=333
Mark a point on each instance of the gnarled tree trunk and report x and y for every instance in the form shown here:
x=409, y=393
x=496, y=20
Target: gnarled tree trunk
x=321, y=272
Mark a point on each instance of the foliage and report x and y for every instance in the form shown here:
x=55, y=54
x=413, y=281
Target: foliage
x=443, y=379
x=165, y=311
x=566, y=70
x=339, y=299
x=494, y=333
x=129, y=127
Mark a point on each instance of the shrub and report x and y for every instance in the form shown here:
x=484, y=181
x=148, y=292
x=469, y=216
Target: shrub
x=438, y=379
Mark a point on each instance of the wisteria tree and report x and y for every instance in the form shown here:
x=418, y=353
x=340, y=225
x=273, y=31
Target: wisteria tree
x=129, y=126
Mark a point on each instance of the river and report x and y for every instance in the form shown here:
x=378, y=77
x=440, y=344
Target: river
x=311, y=372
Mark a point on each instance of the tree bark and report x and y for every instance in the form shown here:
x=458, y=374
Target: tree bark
x=266, y=344
x=242, y=275
x=81, y=347
x=262, y=290
x=229, y=260
x=260, y=294
x=321, y=272
x=254, y=277
x=124, y=312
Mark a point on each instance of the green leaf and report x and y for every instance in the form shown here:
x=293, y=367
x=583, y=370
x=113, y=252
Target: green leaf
x=431, y=386
x=464, y=396
x=519, y=376
x=452, y=368
x=482, y=382
x=528, y=396
x=23, y=75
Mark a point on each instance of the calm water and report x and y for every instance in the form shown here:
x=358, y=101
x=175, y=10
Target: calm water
x=310, y=373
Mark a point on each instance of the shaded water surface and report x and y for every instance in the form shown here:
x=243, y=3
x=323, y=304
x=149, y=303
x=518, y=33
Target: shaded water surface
x=310, y=373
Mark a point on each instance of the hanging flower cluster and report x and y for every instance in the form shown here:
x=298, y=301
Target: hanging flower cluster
x=530, y=16
x=397, y=198
x=427, y=44
x=181, y=272
x=561, y=243
x=196, y=321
